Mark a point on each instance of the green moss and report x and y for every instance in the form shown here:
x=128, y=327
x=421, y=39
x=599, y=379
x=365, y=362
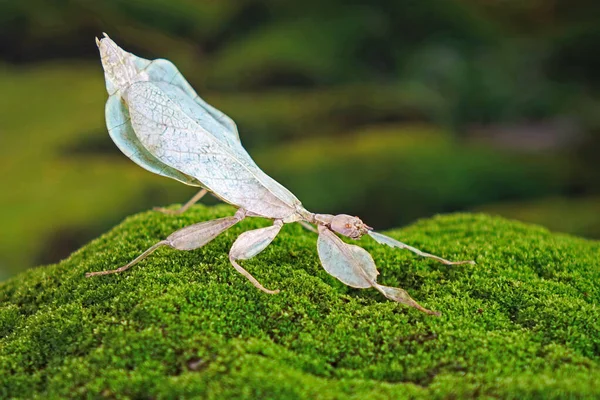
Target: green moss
x=522, y=323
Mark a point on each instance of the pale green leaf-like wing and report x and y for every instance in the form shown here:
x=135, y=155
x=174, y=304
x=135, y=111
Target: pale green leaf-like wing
x=161, y=70
x=167, y=77
x=121, y=132
x=193, y=110
x=159, y=116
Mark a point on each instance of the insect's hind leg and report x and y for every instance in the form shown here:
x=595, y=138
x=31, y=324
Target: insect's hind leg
x=185, y=207
x=249, y=244
x=131, y=263
x=188, y=238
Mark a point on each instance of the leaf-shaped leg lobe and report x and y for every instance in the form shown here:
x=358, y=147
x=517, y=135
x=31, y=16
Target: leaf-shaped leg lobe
x=188, y=238
x=197, y=235
x=249, y=244
x=344, y=261
x=383, y=239
x=401, y=296
x=355, y=267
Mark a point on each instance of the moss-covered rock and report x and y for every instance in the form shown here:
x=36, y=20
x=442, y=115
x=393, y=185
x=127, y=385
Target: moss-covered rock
x=523, y=323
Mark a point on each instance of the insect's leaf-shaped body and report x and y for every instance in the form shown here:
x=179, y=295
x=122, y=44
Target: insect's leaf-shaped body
x=177, y=134
x=177, y=131
x=123, y=68
x=167, y=77
x=121, y=132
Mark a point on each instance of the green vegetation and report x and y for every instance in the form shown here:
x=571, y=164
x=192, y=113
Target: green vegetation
x=523, y=323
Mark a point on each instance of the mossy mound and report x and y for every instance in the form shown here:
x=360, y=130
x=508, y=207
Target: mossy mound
x=523, y=323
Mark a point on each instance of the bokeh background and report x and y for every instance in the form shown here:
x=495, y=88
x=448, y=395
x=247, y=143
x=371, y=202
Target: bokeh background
x=390, y=110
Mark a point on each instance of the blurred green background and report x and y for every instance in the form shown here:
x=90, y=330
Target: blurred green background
x=390, y=110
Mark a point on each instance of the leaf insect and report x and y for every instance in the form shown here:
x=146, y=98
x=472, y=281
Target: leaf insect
x=156, y=119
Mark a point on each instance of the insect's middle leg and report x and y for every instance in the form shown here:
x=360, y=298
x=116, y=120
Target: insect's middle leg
x=249, y=244
x=186, y=206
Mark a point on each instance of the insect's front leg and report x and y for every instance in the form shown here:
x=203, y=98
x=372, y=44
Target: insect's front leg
x=249, y=244
x=355, y=267
x=395, y=243
x=188, y=238
x=185, y=207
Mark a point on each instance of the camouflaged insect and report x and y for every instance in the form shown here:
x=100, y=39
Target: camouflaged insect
x=156, y=119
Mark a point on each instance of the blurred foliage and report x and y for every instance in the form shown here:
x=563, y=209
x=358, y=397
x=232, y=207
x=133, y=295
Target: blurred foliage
x=51, y=196
x=399, y=173
x=364, y=108
x=581, y=215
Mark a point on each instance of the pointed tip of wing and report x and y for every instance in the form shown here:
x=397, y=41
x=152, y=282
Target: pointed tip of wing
x=104, y=37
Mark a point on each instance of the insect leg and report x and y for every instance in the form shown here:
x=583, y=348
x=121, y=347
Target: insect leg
x=185, y=207
x=395, y=243
x=355, y=267
x=308, y=226
x=249, y=244
x=131, y=263
x=188, y=238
